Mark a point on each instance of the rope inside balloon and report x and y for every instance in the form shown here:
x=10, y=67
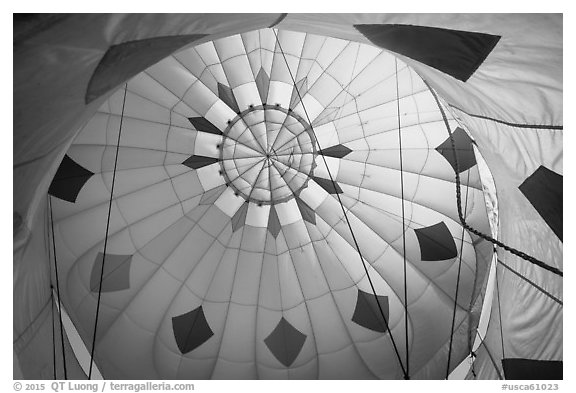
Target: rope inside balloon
x=403, y=221
x=457, y=289
x=404, y=371
x=53, y=333
x=57, y=292
x=484, y=236
x=106, y=237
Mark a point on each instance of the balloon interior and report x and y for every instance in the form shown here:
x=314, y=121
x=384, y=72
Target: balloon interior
x=286, y=203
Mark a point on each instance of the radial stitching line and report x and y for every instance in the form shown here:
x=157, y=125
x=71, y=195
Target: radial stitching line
x=160, y=266
x=331, y=291
x=344, y=211
x=457, y=287
x=183, y=282
x=407, y=374
x=106, y=240
x=57, y=286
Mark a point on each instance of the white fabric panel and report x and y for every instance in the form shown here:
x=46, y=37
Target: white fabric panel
x=219, y=114
x=257, y=215
x=209, y=177
x=326, y=135
x=280, y=92
x=313, y=107
x=206, y=144
x=247, y=94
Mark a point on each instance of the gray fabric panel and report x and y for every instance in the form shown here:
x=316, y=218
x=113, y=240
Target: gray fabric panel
x=203, y=124
x=122, y=61
x=227, y=95
x=210, y=196
x=302, y=87
x=338, y=151
x=306, y=211
x=368, y=314
x=455, y=52
x=263, y=83
x=239, y=218
x=330, y=186
x=273, y=222
x=116, y=272
x=196, y=162
x=285, y=342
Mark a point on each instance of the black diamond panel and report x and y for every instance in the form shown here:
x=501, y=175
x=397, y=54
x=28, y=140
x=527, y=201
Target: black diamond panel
x=436, y=243
x=285, y=342
x=368, y=314
x=191, y=330
x=69, y=180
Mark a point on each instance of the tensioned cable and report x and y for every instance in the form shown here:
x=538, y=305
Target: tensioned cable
x=57, y=286
x=344, y=211
x=532, y=283
x=457, y=286
x=52, y=315
x=407, y=375
x=53, y=333
x=499, y=311
x=498, y=243
x=489, y=353
x=106, y=237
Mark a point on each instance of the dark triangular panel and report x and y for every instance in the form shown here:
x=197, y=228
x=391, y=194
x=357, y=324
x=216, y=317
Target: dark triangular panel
x=227, y=95
x=330, y=186
x=116, y=272
x=464, y=150
x=210, y=196
x=191, y=330
x=69, y=180
x=298, y=91
x=544, y=189
x=285, y=342
x=306, y=211
x=529, y=369
x=338, y=151
x=196, y=162
x=239, y=218
x=123, y=61
x=263, y=84
x=368, y=314
x=204, y=125
x=454, y=52
x=436, y=242
x=273, y=222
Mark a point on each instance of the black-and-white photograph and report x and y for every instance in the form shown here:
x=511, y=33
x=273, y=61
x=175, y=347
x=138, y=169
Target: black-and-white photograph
x=288, y=196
